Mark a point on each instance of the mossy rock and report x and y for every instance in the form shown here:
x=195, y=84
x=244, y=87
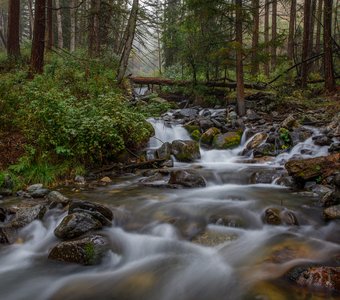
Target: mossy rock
x=208, y=136
x=192, y=128
x=186, y=151
x=228, y=140
x=85, y=251
x=196, y=135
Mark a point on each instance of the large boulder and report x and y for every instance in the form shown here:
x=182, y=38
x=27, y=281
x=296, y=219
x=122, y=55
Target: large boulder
x=228, y=140
x=208, y=136
x=75, y=225
x=186, y=151
x=313, y=168
x=186, y=178
x=85, y=251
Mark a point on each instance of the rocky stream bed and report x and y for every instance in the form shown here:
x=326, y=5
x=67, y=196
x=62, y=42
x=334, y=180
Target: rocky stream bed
x=223, y=208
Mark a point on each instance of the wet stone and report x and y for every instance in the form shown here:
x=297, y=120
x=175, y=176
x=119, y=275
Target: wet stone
x=27, y=215
x=85, y=251
x=75, y=225
x=91, y=206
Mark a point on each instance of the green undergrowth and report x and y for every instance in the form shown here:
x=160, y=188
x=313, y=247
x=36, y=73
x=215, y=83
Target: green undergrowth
x=73, y=116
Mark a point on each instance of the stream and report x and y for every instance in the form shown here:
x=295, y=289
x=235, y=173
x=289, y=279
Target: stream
x=153, y=259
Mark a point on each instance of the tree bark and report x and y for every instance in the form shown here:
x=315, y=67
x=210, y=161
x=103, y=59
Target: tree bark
x=49, y=24
x=292, y=22
x=305, y=43
x=59, y=25
x=131, y=26
x=255, y=37
x=31, y=18
x=94, y=35
x=318, y=33
x=13, y=39
x=266, y=36
x=73, y=4
x=239, y=60
x=327, y=39
x=274, y=34
x=38, y=43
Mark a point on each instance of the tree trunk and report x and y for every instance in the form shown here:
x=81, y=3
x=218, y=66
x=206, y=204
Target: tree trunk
x=13, y=44
x=292, y=22
x=94, y=35
x=131, y=29
x=305, y=43
x=73, y=4
x=266, y=36
x=59, y=25
x=31, y=18
x=318, y=34
x=38, y=43
x=255, y=37
x=49, y=25
x=327, y=44
x=239, y=63
x=274, y=34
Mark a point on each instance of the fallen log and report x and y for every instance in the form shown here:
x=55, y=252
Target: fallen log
x=170, y=82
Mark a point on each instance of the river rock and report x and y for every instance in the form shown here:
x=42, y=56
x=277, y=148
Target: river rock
x=80, y=180
x=319, y=167
x=336, y=181
x=317, y=278
x=185, y=151
x=27, y=215
x=256, y=140
x=3, y=214
x=299, y=135
x=75, y=225
x=322, y=140
x=290, y=123
x=185, y=113
x=226, y=220
x=332, y=212
x=164, y=152
x=32, y=188
x=330, y=199
x=40, y=193
x=205, y=124
x=275, y=216
x=8, y=234
x=186, y=178
x=228, y=140
x=55, y=199
x=91, y=206
x=265, y=149
x=334, y=148
x=85, y=251
x=208, y=136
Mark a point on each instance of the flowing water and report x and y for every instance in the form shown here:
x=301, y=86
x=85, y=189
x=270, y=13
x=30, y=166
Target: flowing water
x=155, y=258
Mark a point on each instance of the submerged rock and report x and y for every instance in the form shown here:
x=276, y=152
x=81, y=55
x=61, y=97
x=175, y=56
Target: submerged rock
x=86, y=251
x=275, y=216
x=75, y=225
x=186, y=178
x=186, y=151
x=317, y=278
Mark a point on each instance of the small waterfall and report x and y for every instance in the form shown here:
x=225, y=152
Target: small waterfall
x=165, y=132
